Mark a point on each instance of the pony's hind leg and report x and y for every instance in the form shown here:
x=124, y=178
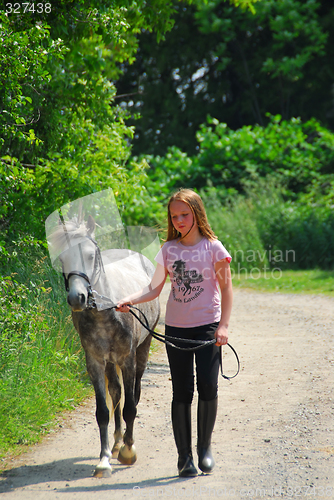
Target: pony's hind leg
x=127, y=453
x=141, y=362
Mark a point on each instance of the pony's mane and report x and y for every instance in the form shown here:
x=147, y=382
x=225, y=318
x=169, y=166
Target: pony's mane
x=69, y=229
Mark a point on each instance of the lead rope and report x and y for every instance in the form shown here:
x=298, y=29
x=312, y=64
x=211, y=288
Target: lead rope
x=168, y=340
x=200, y=343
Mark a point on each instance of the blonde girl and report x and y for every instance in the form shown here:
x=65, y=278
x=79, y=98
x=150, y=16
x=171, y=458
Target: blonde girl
x=199, y=308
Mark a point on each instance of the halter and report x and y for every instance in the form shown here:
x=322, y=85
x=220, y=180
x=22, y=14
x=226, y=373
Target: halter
x=98, y=268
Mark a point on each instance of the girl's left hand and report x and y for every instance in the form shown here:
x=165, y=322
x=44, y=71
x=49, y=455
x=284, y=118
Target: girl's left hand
x=221, y=335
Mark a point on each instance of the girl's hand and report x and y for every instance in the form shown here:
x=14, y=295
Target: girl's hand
x=123, y=306
x=221, y=335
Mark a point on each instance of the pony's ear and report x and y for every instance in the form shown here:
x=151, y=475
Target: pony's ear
x=90, y=225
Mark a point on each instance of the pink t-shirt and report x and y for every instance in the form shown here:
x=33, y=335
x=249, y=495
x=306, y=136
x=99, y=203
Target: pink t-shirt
x=194, y=299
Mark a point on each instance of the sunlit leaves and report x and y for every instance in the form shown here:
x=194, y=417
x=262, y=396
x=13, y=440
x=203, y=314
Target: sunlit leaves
x=61, y=135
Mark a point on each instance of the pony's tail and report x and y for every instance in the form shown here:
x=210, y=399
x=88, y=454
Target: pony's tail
x=108, y=397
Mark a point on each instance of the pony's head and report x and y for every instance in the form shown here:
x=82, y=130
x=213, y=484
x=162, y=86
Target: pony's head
x=79, y=257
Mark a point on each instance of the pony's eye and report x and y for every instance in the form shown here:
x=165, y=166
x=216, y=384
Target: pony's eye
x=91, y=256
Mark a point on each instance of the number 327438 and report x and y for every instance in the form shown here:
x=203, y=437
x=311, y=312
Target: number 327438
x=26, y=7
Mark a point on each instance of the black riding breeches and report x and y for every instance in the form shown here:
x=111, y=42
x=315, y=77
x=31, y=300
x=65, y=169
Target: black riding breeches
x=182, y=364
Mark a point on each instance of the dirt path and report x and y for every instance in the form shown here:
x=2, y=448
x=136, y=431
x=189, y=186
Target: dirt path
x=274, y=431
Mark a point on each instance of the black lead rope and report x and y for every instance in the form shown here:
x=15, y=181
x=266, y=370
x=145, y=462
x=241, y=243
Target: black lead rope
x=167, y=339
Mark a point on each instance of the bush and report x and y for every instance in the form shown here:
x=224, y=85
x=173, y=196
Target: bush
x=269, y=192
x=298, y=155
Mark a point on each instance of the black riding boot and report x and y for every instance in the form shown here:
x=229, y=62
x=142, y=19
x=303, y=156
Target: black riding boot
x=206, y=417
x=181, y=419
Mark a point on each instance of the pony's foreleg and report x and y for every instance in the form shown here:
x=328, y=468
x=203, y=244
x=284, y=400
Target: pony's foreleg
x=96, y=373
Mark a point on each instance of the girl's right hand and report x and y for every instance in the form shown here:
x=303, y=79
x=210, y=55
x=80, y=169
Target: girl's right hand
x=123, y=306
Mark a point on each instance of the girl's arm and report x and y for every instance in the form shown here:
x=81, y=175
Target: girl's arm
x=223, y=273
x=146, y=294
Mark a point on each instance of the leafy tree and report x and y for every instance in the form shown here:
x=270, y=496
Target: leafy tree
x=60, y=135
x=297, y=156
x=231, y=64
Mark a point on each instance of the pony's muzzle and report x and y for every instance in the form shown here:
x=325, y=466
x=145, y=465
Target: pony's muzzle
x=77, y=295
x=77, y=302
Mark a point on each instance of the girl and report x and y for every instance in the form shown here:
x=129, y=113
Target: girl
x=198, y=266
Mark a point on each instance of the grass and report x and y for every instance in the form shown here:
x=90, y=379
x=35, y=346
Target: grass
x=309, y=281
x=42, y=365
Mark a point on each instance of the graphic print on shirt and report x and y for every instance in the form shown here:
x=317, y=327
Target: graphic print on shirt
x=184, y=280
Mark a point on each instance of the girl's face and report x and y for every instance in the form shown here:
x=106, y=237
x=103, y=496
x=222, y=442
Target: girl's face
x=182, y=217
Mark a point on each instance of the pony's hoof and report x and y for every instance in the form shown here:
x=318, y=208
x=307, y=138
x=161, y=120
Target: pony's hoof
x=126, y=455
x=102, y=473
x=103, y=469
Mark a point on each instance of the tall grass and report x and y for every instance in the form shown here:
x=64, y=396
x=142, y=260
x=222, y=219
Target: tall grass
x=262, y=230
x=42, y=367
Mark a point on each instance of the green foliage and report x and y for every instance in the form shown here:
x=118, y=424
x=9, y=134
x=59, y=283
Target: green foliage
x=295, y=36
x=62, y=135
x=300, y=156
x=23, y=59
x=42, y=368
x=163, y=175
x=268, y=191
x=296, y=153
x=244, y=4
x=308, y=231
x=235, y=65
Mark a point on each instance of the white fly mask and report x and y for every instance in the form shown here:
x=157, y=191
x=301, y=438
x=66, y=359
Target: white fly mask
x=87, y=235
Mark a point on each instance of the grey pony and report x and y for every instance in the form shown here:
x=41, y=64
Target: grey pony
x=116, y=345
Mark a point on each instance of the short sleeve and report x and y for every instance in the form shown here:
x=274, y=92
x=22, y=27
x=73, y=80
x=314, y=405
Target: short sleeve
x=220, y=252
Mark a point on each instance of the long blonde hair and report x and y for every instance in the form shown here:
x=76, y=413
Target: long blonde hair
x=195, y=203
